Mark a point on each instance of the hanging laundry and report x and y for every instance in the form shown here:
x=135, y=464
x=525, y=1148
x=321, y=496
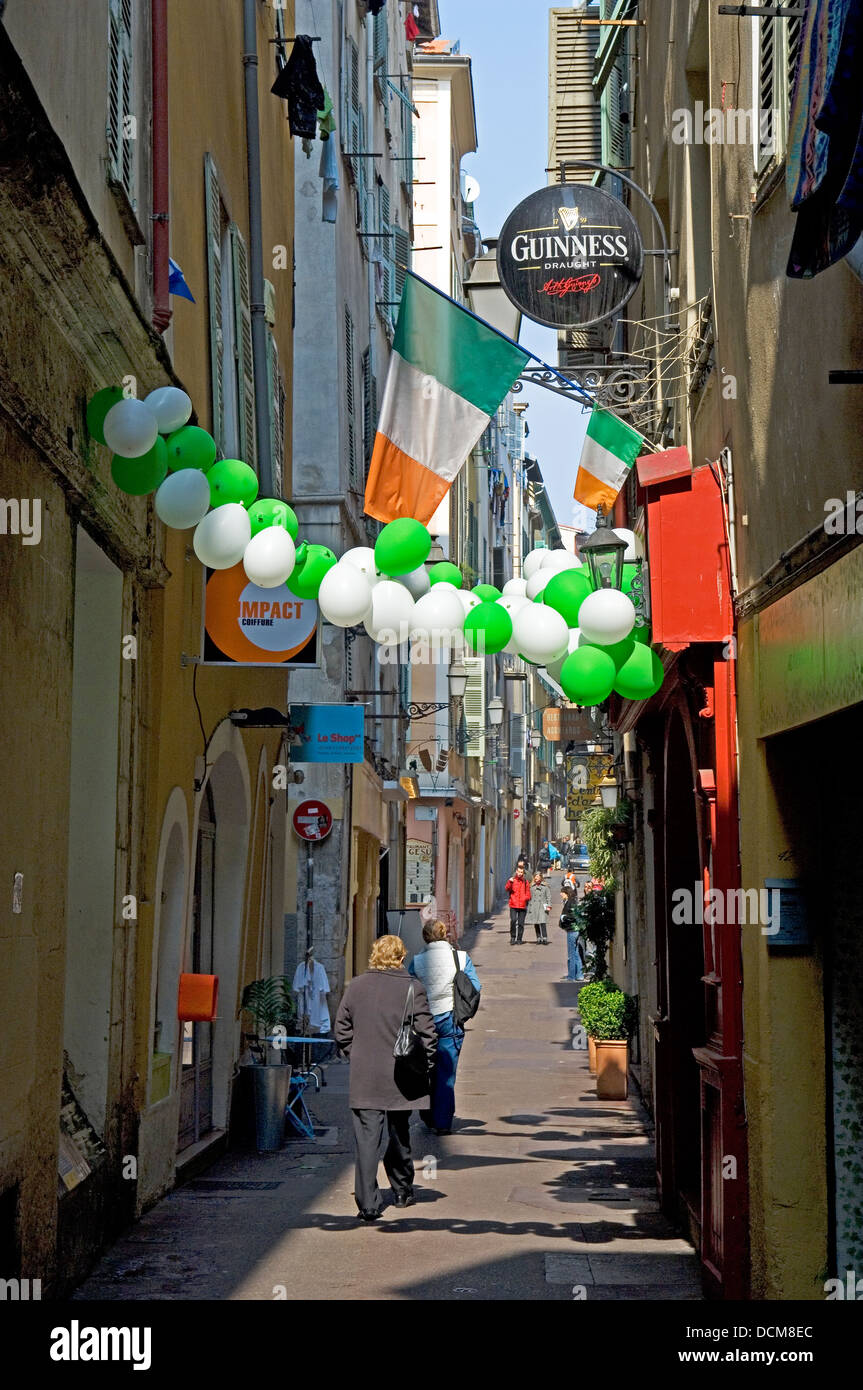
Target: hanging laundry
x=326, y=119
x=411, y=28
x=298, y=83
x=329, y=172
x=311, y=986
x=375, y=6
x=177, y=282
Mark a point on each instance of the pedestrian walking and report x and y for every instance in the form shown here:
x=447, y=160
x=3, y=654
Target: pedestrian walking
x=553, y=856
x=538, y=908
x=518, y=889
x=569, y=923
x=383, y=1089
x=437, y=967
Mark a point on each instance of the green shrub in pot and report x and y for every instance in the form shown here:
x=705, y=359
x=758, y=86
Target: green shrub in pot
x=614, y=1017
x=589, y=998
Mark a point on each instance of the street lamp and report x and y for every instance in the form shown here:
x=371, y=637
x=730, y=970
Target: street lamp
x=608, y=792
x=457, y=675
x=495, y=711
x=558, y=758
x=535, y=738
x=604, y=551
x=486, y=296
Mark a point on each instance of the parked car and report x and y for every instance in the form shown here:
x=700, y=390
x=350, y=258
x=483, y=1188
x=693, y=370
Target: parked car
x=578, y=858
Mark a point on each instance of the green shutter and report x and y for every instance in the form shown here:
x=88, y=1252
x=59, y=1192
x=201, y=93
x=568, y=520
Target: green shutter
x=276, y=400
x=214, y=285
x=350, y=400
x=120, y=145
x=243, y=339
x=402, y=258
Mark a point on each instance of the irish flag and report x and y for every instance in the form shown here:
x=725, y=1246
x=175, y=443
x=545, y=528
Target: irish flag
x=610, y=449
x=448, y=374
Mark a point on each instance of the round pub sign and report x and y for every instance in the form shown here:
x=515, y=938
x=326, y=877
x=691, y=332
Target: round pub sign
x=570, y=255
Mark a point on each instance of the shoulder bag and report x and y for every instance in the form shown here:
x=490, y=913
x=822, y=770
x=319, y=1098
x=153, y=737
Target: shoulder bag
x=465, y=995
x=408, y=1048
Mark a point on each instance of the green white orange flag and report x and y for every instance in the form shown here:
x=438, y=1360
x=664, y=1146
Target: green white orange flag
x=448, y=374
x=610, y=449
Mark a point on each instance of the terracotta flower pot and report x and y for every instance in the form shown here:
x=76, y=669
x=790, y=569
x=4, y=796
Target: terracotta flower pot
x=612, y=1068
x=591, y=1055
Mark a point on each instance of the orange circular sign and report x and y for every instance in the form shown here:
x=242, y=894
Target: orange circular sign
x=254, y=625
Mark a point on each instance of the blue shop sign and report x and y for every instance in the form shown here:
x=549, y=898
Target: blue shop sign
x=328, y=733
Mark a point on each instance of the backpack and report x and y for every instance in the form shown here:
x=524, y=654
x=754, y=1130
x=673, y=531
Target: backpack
x=465, y=995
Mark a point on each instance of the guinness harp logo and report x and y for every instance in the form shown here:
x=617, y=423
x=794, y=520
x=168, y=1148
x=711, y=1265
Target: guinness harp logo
x=570, y=218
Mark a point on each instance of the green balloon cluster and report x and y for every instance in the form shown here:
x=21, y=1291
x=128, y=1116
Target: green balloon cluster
x=487, y=592
x=445, y=573
x=97, y=408
x=312, y=563
x=487, y=628
x=191, y=447
x=141, y=475
x=587, y=675
x=566, y=592
x=402, y=546
x=641, y=675
x=231, y=480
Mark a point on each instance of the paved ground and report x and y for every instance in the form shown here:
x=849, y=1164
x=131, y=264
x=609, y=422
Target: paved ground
x=543, y=1191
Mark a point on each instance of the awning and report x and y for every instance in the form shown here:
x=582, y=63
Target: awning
x=690, y=583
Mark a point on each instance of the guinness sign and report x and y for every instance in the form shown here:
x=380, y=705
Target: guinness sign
x=570, y=255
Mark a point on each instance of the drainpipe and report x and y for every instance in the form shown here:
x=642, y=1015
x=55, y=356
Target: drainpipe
x=256, y=255
x=370, y=136
x=161, y=166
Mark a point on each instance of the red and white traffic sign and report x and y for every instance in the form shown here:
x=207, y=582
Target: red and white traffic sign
x=313, y=820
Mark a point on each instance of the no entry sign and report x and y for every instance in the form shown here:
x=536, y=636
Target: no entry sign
x=313, y=820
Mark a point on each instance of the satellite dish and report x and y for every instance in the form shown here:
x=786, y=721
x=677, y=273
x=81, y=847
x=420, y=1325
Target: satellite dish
x=470, y=188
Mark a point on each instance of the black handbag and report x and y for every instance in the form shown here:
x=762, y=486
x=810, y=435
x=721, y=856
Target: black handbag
x=409, y=1048
x=465, y=995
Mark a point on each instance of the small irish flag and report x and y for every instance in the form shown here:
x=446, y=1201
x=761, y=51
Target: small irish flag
x=610, y=449
x=448, y=374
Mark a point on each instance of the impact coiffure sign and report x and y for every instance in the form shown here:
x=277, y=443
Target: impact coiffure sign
x=570, y=255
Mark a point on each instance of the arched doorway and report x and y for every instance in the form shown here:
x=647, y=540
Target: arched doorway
x=196, y=1059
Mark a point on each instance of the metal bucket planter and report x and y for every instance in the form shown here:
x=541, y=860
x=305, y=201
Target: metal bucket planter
x=269, y=1085
x=612, y=1068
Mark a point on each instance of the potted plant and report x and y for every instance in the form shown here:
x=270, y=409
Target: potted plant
x=270, y=1003
x=588, y=1005
x=595, y=918
x=613, y=1022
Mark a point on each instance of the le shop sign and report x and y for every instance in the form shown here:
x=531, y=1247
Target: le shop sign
x=570, y=255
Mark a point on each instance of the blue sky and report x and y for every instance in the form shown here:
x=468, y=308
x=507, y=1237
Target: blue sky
x=508, y=43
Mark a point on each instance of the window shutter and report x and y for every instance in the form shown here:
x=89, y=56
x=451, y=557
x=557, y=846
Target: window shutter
x=355, y=116
x=474, y=706
x=766, y=133
x=386, y=244
x=350, y=400
x=276, y=399
x=362, y=166
x=243, y=338
x=402, y=258
x=381, y=62
x=120, y=146
x=214, y=285
x=370, y=408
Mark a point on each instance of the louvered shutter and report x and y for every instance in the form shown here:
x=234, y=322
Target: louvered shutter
x=243, y=339
x=386, y=244
x=402, y=259
x=350, y=400
x=276, y=399
x=574, y=114
x=614, y=130
x=214, y=285
x=370, y=408
x=766, y=134
x=474, y=706
x=120, y=144
x=356, y=121
x=362, y=170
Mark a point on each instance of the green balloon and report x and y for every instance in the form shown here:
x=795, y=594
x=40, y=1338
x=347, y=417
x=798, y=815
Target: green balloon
x=445, y=573
x=619, y=652
x=641, y=675
x=98, y=407
x=403, y=545
x=271, y=511
x=487, y=628
x=313, y=562
x=587, y=676
x=141, y=475
x=191, y=447
x=487, y=592
x=565, y=592
x=231, y=480
x=641, y=633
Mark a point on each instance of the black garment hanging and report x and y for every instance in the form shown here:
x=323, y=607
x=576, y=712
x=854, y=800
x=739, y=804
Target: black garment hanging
x=299, y=84
x=375, y=6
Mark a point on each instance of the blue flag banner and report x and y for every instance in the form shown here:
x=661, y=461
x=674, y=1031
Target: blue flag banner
x=328, y=733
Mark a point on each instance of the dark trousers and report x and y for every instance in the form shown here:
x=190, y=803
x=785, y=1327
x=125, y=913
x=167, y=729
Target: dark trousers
x=540, y=929
x=516, y=923
x=368, y=1132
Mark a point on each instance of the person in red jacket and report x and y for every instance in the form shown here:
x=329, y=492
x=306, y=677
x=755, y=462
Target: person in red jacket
x=519, y=897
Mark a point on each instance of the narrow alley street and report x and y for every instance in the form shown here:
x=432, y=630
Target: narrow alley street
x=555, y=1188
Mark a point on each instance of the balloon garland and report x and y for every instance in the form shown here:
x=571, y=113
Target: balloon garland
x=588, y=640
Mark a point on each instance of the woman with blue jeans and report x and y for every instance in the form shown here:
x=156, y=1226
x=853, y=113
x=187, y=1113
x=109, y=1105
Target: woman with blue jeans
x=569, y=922
x=436, y=968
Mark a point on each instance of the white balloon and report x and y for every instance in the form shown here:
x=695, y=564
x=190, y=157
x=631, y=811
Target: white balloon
x=634, y=548
x=269, y=557
x=171, y=407
x=391, y=611
x=467, y=599
x=446, y=587
x=183, y=499
x=345, y=595
x=540, y=633
x=606, y=617
x=514, y=586
x=130, y=429
x=221, y=538
x=417, y=582
x=538, y=581
x=555, y=667
x=532, y=562
x=557, y=560
x=362, y=557
x=437, y=616
x=512, y=603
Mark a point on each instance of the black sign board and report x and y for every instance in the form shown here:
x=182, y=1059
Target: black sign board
x=570, y=255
